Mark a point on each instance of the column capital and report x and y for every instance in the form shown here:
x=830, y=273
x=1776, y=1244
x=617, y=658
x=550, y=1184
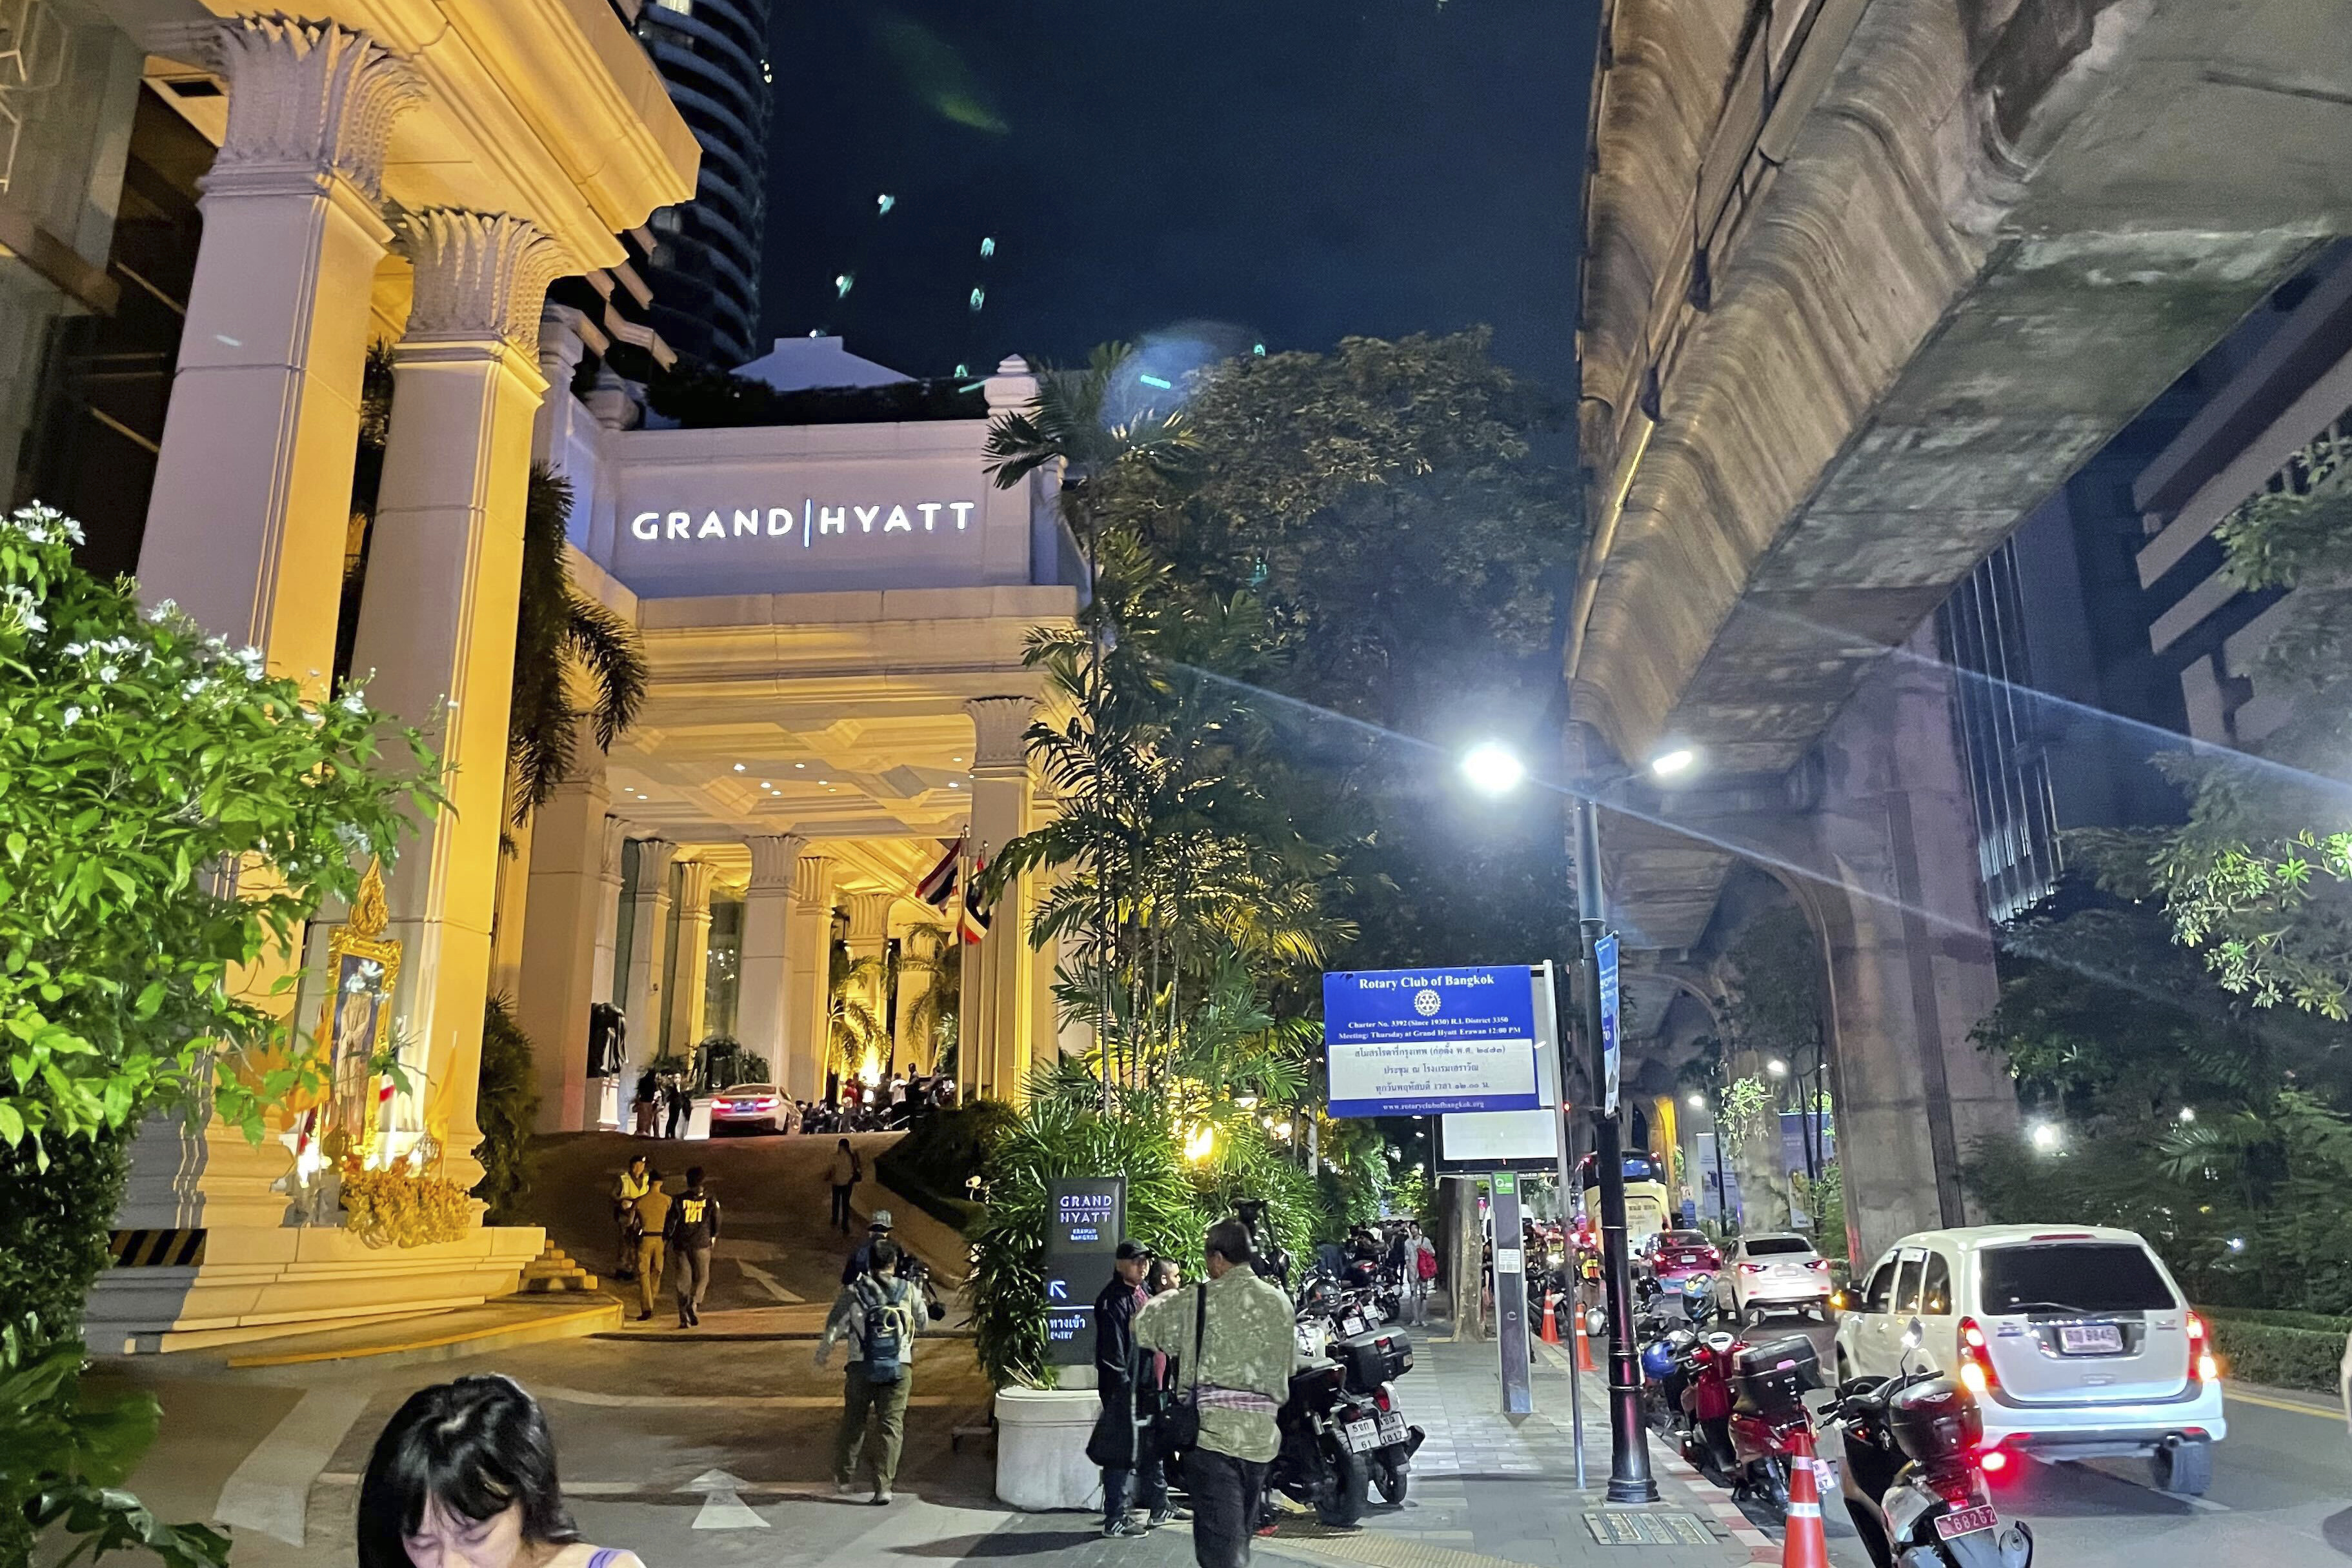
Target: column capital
x=480, y=277
x=653, y=856
x=870, y=917
x=694, y=888
x=608, y=861
x=306, y=100
x=1000, y=730
x=812, y=878
x=561, y=345
x=775, y=859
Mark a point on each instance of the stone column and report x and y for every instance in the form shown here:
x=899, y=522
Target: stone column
x=568, y=895
x=437, y=624
x=648, y=935
x=693, y=958
x=561, y=350
x=246, y=527
x=1001, y=982
x=919, y=965
x=602, y=976
x=766, y=1000
x=808, y=990
x=869, y=944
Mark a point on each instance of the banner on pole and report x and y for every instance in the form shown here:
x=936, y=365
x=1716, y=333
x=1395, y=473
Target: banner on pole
x=1416, y=1042
x=1604, y=963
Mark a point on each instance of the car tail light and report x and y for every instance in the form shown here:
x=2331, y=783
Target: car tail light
x=1751, y=1269
x=1819, y=1264
x=1977, y=1374
x=2202, y=1367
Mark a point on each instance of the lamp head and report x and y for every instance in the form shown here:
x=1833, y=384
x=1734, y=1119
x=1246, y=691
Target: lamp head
x=1673, y=763
x=1493, y=769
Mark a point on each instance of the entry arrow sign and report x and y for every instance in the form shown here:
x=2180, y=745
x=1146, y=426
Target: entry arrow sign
x=1057, y=1289
x=722, y=1508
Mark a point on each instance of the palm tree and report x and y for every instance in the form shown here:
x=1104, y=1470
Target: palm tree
x=857, y=1035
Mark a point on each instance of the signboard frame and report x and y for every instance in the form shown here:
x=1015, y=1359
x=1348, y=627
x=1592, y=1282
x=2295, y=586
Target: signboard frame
x=1454, y=1024
x=1477, y=1142
x=1084, y=1218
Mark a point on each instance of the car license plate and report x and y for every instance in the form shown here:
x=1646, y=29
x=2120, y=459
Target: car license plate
x=1967, y=1522
x=1363, y=1437
x=2090, y=1339
x=1392, y=1429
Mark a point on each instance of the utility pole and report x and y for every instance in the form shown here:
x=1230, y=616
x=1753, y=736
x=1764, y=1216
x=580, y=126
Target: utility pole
x=1629, y=1452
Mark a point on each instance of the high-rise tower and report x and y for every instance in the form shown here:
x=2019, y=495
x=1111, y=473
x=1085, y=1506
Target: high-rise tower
x=714, y=55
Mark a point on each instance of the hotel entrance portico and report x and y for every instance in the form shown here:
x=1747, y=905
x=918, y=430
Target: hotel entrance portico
x=835, y=618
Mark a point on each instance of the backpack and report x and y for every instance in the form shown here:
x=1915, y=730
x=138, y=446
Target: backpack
x=1424, y=1266
x=884, y=1341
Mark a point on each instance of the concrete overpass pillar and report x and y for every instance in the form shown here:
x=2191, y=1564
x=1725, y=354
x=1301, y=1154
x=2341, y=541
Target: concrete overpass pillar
x=1908, y=954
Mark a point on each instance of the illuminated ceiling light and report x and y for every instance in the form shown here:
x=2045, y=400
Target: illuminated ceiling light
x=1493, y=768
x=739, y=767
x=952, y=785
x=1668, y=763
x=800, y=765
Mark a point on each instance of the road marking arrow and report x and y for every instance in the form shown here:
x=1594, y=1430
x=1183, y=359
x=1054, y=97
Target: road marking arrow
x=770, y=1283
x=722, y=1508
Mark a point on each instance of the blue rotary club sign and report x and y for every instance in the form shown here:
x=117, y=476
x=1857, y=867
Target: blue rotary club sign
x=1415, y=1042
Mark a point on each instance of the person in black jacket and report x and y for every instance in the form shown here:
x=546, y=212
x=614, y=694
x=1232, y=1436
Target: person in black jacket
x=1118, y=1444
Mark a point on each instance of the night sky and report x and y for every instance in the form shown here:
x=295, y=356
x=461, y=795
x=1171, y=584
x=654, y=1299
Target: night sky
x=1294, y=170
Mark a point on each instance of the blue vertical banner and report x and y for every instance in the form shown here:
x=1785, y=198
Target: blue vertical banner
x=1604, y=965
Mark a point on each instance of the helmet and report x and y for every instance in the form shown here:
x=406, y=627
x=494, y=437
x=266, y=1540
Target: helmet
x=1657, y=1361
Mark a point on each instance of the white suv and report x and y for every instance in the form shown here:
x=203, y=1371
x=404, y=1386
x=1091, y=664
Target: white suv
x=2075, y=1341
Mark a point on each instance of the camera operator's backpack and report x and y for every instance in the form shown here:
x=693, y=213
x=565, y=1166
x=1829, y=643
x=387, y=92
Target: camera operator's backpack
x=885, y=1342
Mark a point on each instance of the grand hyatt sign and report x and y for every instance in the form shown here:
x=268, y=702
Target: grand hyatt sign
x=803, y=525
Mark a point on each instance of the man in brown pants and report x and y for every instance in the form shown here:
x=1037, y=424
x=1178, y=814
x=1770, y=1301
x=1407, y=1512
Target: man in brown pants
x=653, y=1218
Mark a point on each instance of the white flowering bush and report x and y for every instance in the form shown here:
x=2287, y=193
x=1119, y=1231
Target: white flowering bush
x=169, y=813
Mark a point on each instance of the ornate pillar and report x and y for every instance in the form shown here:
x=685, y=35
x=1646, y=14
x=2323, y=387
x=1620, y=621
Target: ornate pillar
x=685, y=992
x=648, y=933
x=808, y=983
x=869, y=946
x=764, y=999
x=568, y=896
x=561, y=350
x=246, y=527
x=436, y=627
x=1000, y=977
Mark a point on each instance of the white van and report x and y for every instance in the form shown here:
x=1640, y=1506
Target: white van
x=2075, y=1340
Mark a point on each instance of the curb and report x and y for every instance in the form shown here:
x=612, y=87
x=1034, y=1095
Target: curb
x=579, y=1324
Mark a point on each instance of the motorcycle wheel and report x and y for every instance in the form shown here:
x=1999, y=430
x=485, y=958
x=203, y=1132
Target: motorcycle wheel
x=1343, y=1501
x=1767, y=1480
x=1391, y=1478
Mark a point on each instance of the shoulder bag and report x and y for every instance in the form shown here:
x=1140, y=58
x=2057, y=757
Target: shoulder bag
x=1178, y=1425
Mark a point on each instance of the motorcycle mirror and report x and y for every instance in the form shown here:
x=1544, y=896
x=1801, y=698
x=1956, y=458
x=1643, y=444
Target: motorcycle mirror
x=1913, y=1335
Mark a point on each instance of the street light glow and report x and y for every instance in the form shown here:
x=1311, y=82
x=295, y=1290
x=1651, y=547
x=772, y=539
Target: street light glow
x=1777, y=1067
x=1493, y=768
x=2044, y=1136
x=1697, y=1102
x=1667, y=763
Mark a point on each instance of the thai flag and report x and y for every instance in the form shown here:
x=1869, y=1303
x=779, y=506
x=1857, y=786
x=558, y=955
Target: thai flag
x=937, y=888
x=974, y=923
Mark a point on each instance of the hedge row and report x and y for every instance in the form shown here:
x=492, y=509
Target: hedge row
x=2318, y=1321
x=2279, y=1355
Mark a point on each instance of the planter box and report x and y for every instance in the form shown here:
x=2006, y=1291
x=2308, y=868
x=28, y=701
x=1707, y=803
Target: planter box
x=1041, y=1449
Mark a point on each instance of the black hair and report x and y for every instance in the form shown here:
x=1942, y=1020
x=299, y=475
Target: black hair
x=881, y=1258
x=477, y=1445
x=1230, y=1239
x=694, y=1176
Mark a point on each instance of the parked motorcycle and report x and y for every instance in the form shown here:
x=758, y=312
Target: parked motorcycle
x=1371, y=1361
x=1320, y=1462
x=1914, y=1482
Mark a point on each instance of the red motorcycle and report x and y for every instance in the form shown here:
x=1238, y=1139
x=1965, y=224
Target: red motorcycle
x=1745, y=1404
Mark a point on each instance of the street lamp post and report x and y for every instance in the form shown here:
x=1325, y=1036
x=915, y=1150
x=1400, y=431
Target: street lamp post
x=1492, y=769
x=1629, y=1450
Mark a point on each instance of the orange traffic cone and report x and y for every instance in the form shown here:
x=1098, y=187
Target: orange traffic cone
x=1583, y=1346
x=1807, y=1545
x=1550, y=1320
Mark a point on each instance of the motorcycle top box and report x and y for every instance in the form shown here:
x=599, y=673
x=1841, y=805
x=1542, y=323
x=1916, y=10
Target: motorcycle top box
x=1935, y=1422
x=1771, y=1378
x=1382, y=1355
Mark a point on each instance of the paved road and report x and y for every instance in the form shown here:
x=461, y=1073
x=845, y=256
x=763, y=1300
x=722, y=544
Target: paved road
x=2282, y=1497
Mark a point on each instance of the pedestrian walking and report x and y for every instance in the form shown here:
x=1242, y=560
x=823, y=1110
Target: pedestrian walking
x=1422, y=1273
x=879, y=1315
x=645, y=1103
x=844, y=1174
x=878, y=1230
x=462, y=1475
x=631, y=1186
x=1233, y=1340
x=1130, y=1464
x=693, y=1231
x=652, y=1207
x=681, y=1107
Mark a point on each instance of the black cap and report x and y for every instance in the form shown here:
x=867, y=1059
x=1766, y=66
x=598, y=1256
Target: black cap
x=1133, y=1252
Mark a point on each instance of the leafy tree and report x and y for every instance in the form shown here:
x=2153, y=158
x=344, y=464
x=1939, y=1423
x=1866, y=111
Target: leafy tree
x=563, y=639
x=506, y=1112
x=2259, y=881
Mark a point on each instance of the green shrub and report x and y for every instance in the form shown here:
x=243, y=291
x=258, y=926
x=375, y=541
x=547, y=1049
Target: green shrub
x=2317, y=1322
x=929, y=1165
x=506, y=1112
x=2280, y=1357
x=54, y=1224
